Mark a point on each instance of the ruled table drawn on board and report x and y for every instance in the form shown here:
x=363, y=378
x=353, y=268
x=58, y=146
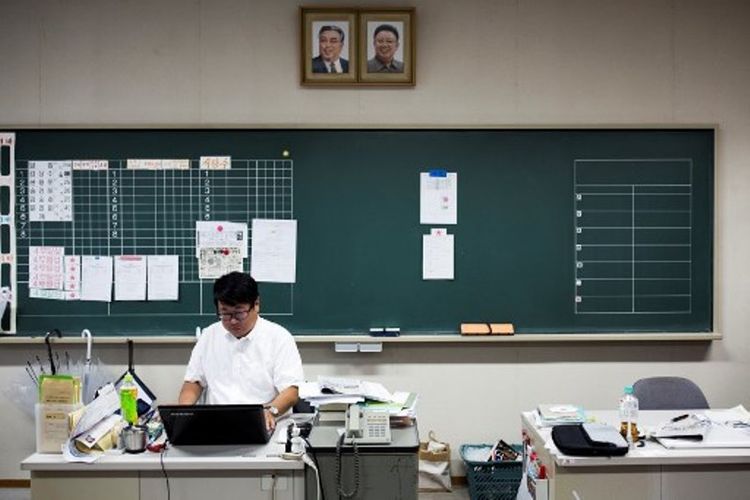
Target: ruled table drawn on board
x=633, y=236
x=122, y=211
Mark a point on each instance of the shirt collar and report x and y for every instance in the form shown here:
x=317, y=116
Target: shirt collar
x=390, y=66
x=232, y=338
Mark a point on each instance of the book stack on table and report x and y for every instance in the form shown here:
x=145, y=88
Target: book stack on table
x=559, y=414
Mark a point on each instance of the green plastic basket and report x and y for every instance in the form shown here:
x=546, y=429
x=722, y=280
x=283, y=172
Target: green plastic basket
x=495, y=480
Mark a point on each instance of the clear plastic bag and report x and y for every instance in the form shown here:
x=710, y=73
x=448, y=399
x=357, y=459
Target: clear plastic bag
x=22, y=392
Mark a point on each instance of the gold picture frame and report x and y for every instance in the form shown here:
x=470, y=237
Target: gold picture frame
x=387, y=47
x=328, y=46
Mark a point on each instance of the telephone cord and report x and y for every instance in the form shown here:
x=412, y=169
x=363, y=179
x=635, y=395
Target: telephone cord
x=339, y=485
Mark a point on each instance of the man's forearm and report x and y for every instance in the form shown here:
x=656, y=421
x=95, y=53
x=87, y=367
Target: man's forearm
x=286, y=399
x=189, y=393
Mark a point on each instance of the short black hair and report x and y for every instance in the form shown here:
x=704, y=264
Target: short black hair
x=386, y=27
x=235, y=288
x=330, y=27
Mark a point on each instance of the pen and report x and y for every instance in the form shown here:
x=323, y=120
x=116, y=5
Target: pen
x=681, y=417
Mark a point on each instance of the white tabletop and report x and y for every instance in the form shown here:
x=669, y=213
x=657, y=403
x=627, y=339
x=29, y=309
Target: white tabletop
x=266, y=457
x=651, y=454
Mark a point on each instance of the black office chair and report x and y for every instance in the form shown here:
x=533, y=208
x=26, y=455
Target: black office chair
x=669, y=393
x=303, y=406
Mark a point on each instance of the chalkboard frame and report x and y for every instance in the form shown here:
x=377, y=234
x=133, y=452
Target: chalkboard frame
x=409, y=190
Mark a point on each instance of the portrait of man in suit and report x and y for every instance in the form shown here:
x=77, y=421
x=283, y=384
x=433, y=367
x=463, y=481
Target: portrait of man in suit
x=385, y=49
x=331, y=42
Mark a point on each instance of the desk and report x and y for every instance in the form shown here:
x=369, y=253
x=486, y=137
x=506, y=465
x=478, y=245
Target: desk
x=651, y=472
x=194, y=473
x=386, y=471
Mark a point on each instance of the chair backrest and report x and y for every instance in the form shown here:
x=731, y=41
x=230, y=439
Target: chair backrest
x=303, y=406
x=669, y=393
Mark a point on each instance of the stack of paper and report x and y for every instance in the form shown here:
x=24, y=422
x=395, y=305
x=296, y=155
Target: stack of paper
x=368, y=390
x=556, y=414
x=688, y=426
x=402, y=409
x=737, y=417
x=333, y=395
x=314, y=394
x=329, y=390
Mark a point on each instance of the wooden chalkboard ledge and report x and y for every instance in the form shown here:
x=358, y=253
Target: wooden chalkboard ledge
x=413, y=338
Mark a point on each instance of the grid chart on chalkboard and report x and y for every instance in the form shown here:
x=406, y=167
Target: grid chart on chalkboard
x=633, y=236
x=121, y=211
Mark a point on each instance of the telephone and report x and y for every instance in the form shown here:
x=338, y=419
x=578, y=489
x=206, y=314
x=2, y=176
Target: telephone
x=364, y=426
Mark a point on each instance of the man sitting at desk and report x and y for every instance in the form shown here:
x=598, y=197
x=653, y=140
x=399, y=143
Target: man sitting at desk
x=243, y=358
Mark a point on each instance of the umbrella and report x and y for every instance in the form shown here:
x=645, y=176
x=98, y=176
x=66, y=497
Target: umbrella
x=93, y=374
x=85, y=378
x=5, y=297
x=54, y=331
x=146, y=397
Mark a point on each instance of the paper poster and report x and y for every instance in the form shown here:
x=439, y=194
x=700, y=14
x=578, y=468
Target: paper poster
x=96, y=278
x=220, y=234
x=438, y=197
x=215, y=162
x=437, y=255
x=90, y=164
x=72, y=272
x=163, y=277
x=274, y=252
x=46, y=267
x=41, y=293
x=158, y=164
x=130, y=277
x=50, y=191
x=72, y=283
x=216, y=262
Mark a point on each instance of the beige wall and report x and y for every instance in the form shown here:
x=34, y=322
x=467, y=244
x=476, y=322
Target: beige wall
x=480, y=62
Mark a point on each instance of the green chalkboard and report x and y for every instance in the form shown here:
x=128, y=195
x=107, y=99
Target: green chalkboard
x=558, y=230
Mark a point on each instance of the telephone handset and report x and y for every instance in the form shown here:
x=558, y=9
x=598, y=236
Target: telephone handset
x=366, y=426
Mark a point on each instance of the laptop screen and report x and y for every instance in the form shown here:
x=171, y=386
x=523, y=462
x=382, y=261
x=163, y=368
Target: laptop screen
x=214, y=424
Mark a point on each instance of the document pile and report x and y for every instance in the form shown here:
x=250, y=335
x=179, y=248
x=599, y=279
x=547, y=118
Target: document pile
x=332, y=395
x=687, y=426
x=96, y=427
x=737, y=417
x=402, y=409
x=336, y=390
x=556, y=414
x=726, y=428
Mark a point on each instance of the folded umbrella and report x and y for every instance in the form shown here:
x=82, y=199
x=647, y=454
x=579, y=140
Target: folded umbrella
x=146, y=397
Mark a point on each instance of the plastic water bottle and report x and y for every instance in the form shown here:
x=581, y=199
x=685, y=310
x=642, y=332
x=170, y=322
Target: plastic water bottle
x=129, y=400
x=629, y=416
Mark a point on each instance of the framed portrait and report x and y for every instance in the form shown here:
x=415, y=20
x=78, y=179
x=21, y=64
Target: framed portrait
x=329, y=46
x=386, y=47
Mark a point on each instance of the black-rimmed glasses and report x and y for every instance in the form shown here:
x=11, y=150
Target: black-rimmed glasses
x=237, y=315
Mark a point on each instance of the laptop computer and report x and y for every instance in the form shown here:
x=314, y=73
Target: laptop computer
x=214, y=424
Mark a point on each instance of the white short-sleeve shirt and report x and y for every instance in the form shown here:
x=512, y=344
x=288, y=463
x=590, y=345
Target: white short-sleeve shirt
x=250, y=370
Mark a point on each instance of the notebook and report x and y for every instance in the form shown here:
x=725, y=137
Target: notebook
x=554, y=414
x=214, y=424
